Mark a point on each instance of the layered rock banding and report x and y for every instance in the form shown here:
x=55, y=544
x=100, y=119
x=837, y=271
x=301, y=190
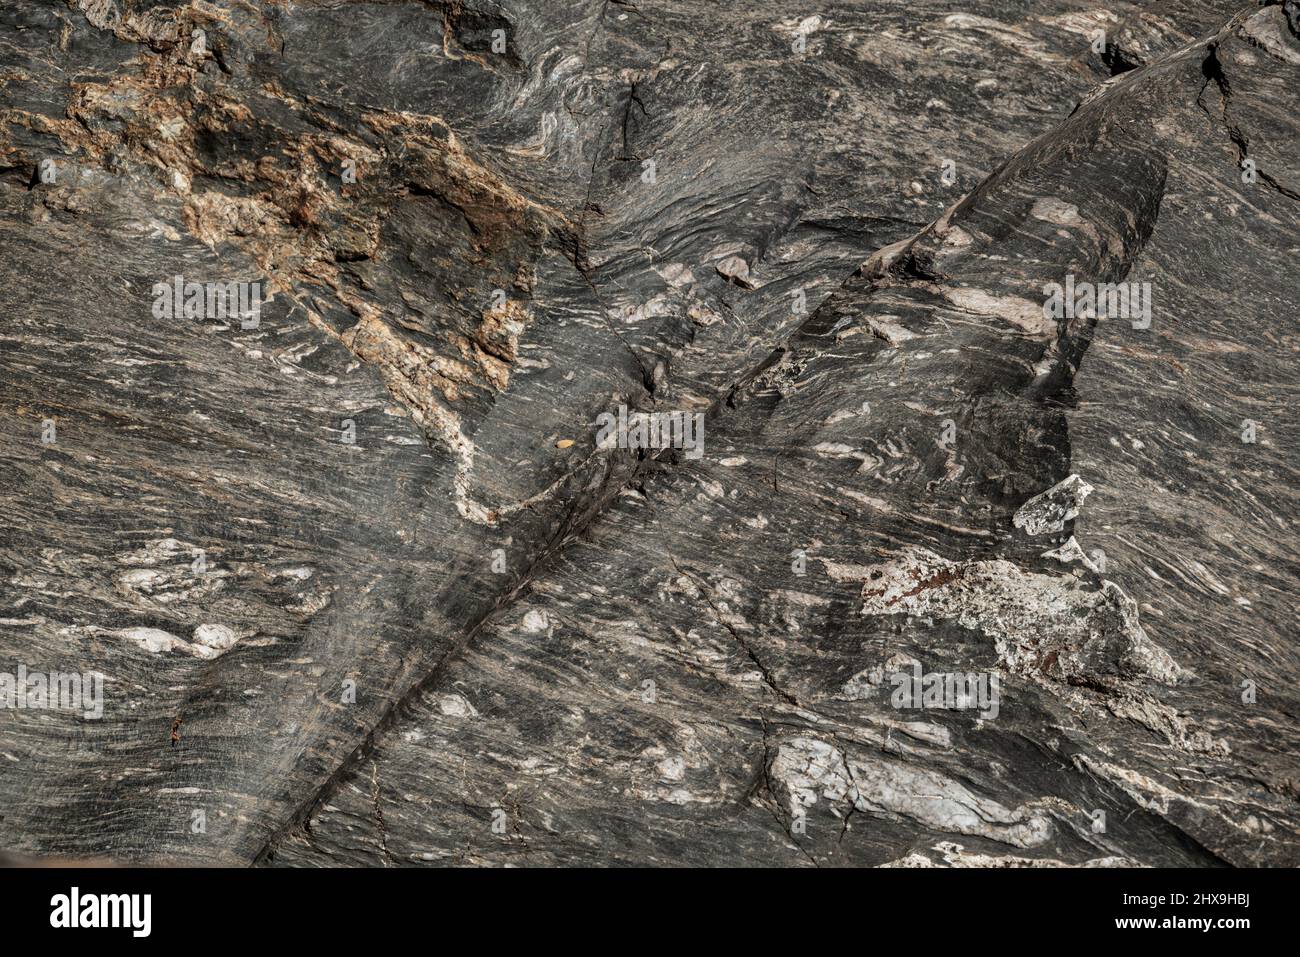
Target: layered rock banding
x=364, y=586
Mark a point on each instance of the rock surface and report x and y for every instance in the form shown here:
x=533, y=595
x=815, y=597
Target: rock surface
x=366, y=587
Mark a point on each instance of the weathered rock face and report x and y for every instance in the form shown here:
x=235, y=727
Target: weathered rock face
x=974, y=328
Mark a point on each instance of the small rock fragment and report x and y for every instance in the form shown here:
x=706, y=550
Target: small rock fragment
x=734, y=269
x=1049, y=511
x=1072, y=552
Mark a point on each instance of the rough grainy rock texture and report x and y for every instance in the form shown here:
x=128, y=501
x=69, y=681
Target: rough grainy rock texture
x=365, y=585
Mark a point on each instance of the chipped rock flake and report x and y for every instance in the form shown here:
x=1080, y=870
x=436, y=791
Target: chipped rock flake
x=535, y=620
x=1048, y=511
x=735, y=269
x=1072, y=552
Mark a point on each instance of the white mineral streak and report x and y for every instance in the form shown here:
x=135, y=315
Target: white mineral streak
x=210, y=640
x=955, y=855
x=806, y=770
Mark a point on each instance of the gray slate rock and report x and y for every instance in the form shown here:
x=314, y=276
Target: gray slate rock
x=363, y=584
